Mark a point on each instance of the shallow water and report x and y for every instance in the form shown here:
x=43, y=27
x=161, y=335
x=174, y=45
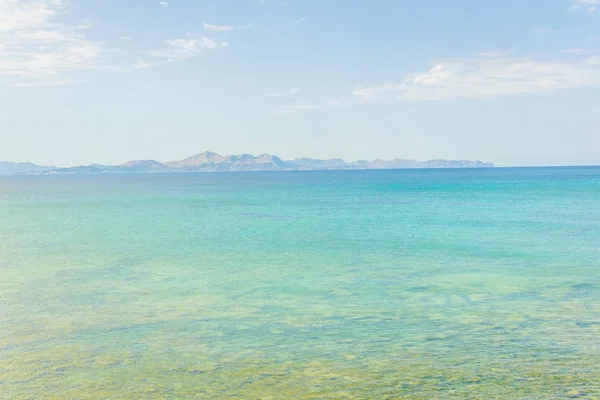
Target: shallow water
x=355, y=284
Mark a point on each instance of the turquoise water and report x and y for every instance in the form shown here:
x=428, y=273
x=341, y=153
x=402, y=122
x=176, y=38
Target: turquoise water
x=322, y=285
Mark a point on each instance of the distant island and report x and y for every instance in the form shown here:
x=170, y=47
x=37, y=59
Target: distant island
x=213, y=162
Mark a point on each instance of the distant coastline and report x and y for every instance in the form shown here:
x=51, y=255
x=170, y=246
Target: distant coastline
x=213, y=162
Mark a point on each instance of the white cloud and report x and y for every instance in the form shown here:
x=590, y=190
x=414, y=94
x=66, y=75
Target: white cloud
x=294, y=91
x=593, y=60
x=222, y=28
x=163, y=3
x=36, y=48
x=574, y=51
x=486, y=77
x=185, y=48
x=21, y=14
x=590, y=6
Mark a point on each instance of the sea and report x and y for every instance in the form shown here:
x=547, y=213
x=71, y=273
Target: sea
x=398, y=284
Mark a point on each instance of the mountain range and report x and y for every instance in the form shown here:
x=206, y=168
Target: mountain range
x=213, y=162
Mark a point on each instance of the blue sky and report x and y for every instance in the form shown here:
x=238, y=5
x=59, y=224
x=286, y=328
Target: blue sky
x=516, y=82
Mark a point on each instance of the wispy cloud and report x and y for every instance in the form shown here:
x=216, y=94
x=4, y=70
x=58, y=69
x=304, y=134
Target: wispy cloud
x=541, y=30
x=45, y=83
x=184, y=48
x=291, y=92
x=493, y=53
x=486, y=77
x=593, y=61
x=295, y=108
x=574, y=51
x=591, y=6
x=143, y=65
x=222, y=28
x=163, y=3
x=298, y=21
x=298, y=107
x=35, y=48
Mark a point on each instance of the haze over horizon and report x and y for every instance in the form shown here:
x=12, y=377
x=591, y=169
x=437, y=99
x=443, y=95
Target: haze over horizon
x=110, y=82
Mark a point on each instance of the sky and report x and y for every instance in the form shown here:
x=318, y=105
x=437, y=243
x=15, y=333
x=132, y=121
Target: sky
x=514, y=82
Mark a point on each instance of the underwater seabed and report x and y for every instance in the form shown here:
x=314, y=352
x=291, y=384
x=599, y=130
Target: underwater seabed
x=157, y=331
